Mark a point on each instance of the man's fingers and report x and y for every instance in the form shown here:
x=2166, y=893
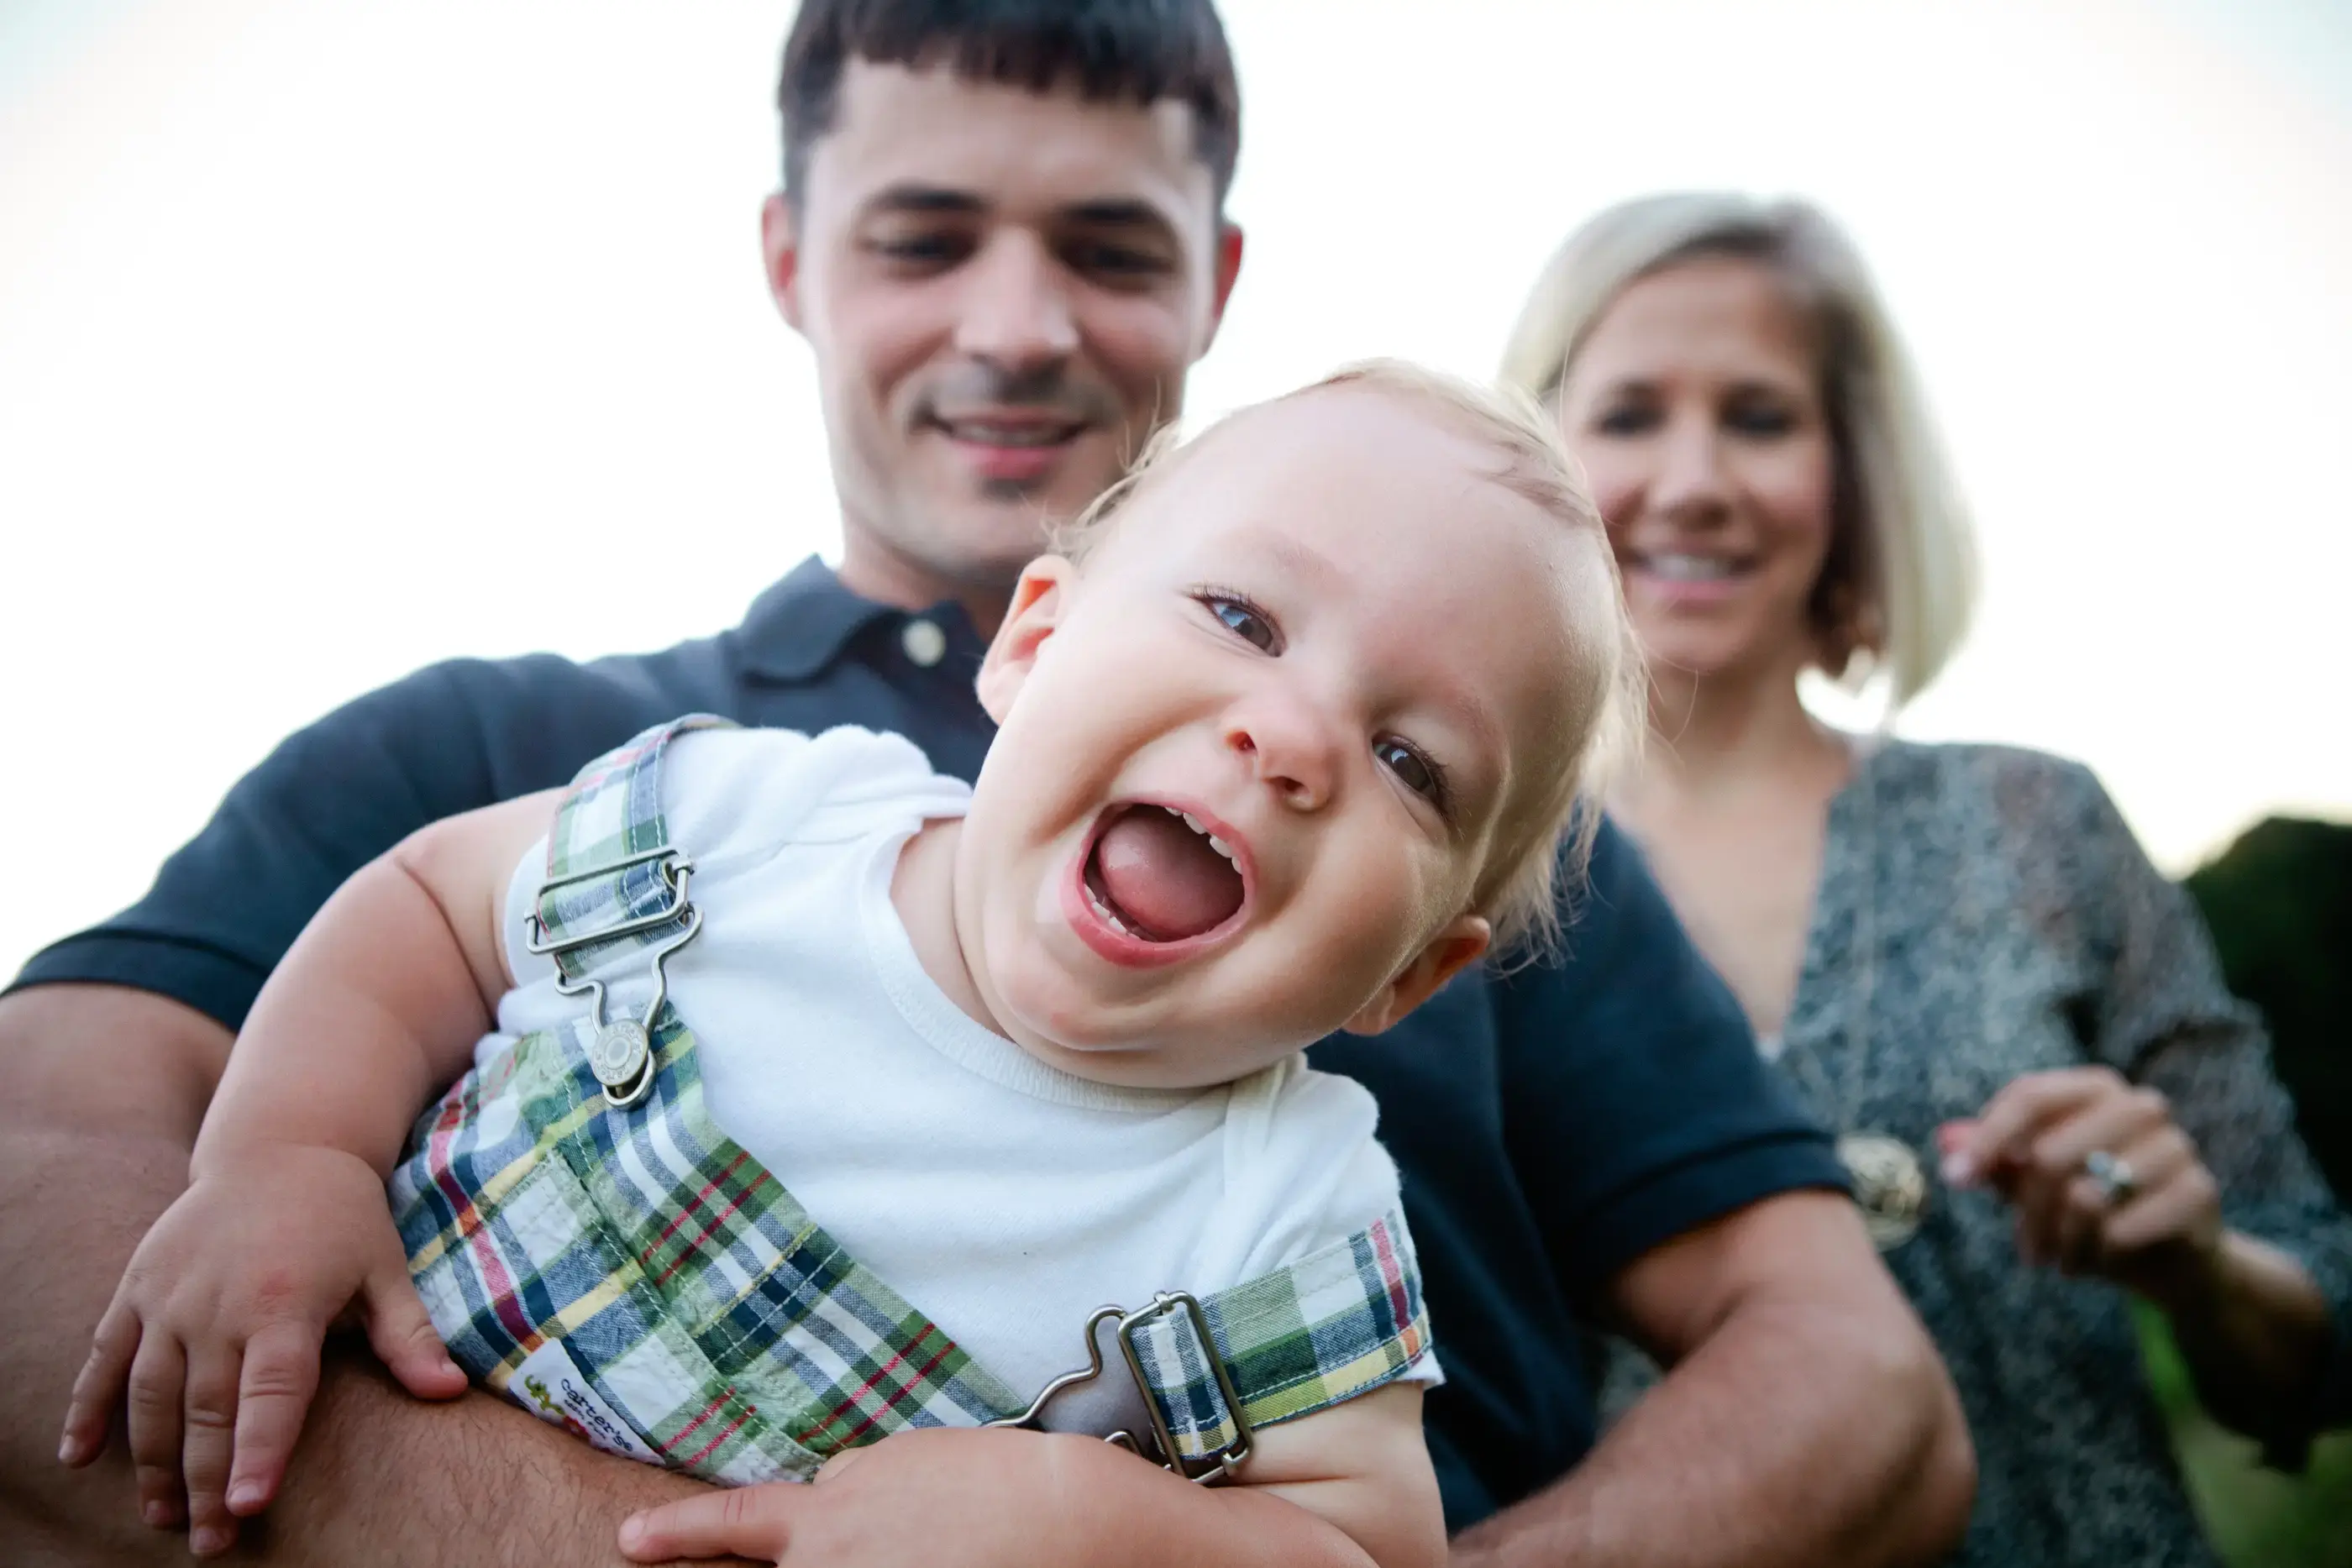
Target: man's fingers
x=207, y=1444
x=152, y=1398
x=99, y=1386
x=273, y=1396
x=747, y=1521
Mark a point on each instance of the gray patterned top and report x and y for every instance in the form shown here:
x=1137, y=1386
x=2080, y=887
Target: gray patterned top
x=2017, y=925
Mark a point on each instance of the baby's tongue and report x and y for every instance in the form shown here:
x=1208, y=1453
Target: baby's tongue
x=1163, y=876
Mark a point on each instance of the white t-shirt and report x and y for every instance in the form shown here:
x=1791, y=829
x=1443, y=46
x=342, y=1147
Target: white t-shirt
x=1002, y=1197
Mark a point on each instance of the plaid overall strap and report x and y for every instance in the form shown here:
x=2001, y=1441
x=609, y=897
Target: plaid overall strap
x=1338, y=1322
x=716, y=1323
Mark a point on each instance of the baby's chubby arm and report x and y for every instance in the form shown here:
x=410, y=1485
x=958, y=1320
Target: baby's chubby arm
x=1347, y=1486
x=1364, y=1467
x=213, y=1336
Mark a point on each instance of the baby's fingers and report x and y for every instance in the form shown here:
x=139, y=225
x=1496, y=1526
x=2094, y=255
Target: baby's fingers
x=404, y=1338
x=273, y=1397
x=154, y=1398
x=98, y=1387
x=205, y=1446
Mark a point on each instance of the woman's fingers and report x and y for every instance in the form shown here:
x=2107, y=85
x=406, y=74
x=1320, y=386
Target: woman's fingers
x=2012, y=1119
x=2175, y=1198
x=153, y=1399
x=208, y=1443
x=98, y=1387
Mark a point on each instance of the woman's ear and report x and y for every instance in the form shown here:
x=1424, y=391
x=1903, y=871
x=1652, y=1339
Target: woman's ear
x=1039, y=599
x=1450, y=951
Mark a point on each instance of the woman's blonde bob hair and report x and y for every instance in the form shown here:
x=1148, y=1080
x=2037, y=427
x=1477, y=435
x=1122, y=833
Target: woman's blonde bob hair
x=1900, y=577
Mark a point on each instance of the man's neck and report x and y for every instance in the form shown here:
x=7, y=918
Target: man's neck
x=872, y=570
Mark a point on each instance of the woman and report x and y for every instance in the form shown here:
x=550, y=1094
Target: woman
x=1958, y=954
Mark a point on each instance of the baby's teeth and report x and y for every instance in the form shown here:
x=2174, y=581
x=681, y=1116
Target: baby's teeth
x=1192, y=822
x=1104, y=911
x=1220, y=845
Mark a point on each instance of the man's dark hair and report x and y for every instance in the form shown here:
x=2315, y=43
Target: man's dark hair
x=1139, y=50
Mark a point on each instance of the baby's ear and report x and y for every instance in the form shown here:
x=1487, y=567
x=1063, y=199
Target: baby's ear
x=1039, y=599
x=1460, y=944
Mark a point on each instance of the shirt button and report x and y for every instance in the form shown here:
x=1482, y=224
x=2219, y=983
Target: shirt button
x=925, y=643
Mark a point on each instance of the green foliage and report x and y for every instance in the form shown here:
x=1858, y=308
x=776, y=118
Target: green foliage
x=2256, y=1517
x=2279, y=901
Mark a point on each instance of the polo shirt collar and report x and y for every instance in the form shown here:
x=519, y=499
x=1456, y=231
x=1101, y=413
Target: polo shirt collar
x=800, y=624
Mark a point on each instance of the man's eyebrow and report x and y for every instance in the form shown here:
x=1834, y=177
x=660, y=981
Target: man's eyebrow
x=1119, y=212
x=907, y=196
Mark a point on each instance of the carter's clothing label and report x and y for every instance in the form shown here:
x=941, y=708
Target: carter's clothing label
x=550, y=1385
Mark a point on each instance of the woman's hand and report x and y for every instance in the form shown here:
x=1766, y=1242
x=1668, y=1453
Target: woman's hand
x=2153, y=1226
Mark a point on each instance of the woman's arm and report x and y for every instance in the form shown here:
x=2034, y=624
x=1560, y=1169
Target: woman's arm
x=2226, y=1224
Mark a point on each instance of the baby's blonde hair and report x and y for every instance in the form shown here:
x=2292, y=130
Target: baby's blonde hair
x=1529, y=877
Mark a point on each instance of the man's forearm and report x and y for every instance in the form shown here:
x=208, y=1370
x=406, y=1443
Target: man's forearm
x=108, y=1088
x=382, y=1478
x=1777, y=1443
x=1807, y=1421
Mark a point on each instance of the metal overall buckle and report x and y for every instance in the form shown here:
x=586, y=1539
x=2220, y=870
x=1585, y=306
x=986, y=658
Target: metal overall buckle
x=1217, y=1465
x=621, y=1055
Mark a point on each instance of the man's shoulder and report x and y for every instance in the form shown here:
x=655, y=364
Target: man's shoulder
x=523, y=715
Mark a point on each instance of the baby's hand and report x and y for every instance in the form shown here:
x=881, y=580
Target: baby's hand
x=214, y=1333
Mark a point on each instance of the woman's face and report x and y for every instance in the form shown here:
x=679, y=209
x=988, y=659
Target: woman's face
x=1694, y=407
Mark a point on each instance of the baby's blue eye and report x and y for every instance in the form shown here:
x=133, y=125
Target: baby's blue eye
x=1243, y=623
x=1420, y=775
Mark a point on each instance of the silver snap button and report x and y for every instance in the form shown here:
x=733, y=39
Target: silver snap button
x=925, y=643
x=619, y=1053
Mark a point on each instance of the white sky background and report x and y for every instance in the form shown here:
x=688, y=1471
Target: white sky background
x=337, y=339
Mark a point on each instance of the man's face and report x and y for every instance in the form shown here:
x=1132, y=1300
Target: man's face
x=1004, y=290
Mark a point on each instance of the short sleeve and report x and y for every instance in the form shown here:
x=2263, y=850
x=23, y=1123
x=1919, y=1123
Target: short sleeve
x=1304, y=1170
x=729, y=794
x=1637, y=1108
x=329, y=798
x=2163, y=1016
x=732, y=798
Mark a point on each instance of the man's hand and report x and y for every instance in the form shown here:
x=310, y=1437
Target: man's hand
x=215, y=1331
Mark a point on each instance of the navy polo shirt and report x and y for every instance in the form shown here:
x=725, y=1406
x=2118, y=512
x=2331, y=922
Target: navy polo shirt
x=1550, y=1127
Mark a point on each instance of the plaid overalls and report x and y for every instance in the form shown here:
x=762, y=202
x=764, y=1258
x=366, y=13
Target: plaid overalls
x=587, y=1239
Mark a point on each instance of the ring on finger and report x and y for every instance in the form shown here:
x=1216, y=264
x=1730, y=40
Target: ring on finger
x=2113, y=1176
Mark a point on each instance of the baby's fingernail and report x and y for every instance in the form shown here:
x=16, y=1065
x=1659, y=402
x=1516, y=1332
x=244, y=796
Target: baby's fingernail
x=207, y=1538
x=1959, y=1170
x=245, y=1494
x=67, y=1450
x=632, y=1531
x=157, y=1514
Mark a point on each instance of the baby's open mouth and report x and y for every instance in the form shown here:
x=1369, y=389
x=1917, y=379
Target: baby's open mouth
x=1157, y=874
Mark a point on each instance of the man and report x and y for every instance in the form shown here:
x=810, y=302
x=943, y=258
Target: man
x=1001, y=232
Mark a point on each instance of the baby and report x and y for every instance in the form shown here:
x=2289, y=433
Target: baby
x=815, y=1097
